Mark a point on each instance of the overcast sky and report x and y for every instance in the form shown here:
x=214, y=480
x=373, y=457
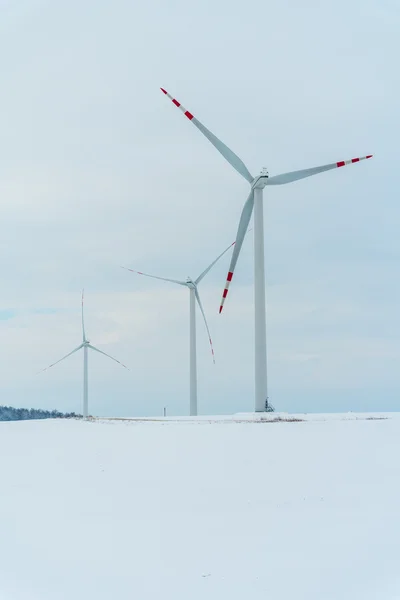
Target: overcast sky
x=98, y=169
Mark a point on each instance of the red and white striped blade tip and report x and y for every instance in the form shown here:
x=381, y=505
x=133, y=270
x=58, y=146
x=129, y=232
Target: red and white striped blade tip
x=212, y=349
x=343, y=163
x=225, y=293
x=178, y=104
x=132, y=270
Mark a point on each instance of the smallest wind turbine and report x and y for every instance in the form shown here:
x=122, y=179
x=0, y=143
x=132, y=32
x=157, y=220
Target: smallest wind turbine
x=85, y=345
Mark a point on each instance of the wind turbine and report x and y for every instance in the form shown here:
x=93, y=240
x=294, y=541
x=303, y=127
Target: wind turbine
x=255, y=200
x=85, y=345
x=194, y=297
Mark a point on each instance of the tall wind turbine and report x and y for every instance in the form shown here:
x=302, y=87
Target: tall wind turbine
x=85, y=345
x=255, y=200
x=194, y=297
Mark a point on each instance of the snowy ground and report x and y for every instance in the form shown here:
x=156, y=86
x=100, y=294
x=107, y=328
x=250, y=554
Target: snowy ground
x=220, y=508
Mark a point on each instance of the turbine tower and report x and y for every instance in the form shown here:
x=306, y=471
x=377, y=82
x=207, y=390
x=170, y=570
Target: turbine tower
x=194, y=297
x=255, y=200
x=85, y=345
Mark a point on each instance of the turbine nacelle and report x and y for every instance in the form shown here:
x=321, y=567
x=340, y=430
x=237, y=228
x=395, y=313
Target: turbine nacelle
x=190, y=283
x=260, y=181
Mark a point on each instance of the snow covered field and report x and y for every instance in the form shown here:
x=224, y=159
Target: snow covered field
x=190, y=510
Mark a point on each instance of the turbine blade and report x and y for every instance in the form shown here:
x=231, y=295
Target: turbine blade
x=296, y=175
x=83, y=322
x=108, y=356
x=241, y=232
x=154, y=277
x=204, y=273
x=63, y=358
x=205, y=321
x=226, y=152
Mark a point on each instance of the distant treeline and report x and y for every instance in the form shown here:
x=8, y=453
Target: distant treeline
x=9, y=413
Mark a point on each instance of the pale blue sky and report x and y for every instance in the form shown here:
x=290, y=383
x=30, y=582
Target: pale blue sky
x=98, y=169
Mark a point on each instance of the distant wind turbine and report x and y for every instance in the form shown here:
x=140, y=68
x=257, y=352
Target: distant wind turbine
x=255, y=200
x=85, y=345
x=193, y=298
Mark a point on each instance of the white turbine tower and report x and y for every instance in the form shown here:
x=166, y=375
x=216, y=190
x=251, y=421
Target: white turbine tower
x=85, y=345
x=194, y=297
x=255, y=199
